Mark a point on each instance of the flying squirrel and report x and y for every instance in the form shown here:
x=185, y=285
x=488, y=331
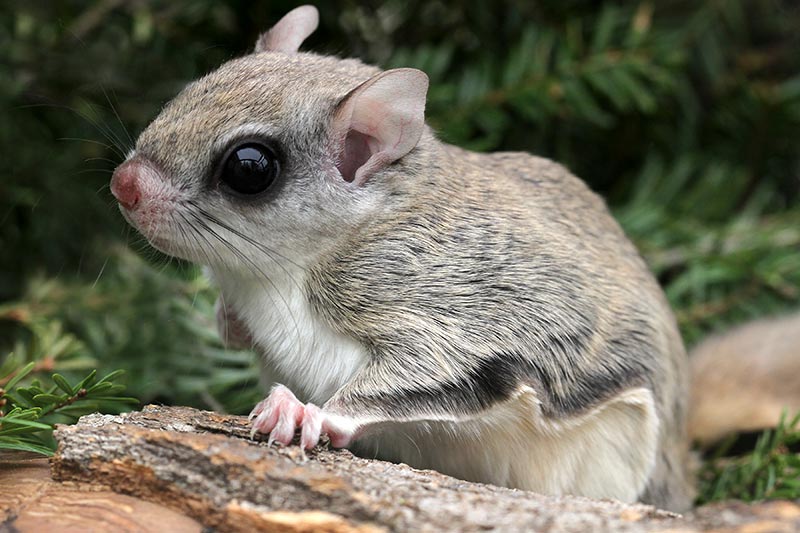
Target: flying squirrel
x=482, y=315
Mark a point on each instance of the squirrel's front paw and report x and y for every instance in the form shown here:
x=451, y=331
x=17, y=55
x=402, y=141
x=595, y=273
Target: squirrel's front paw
x=281, y=414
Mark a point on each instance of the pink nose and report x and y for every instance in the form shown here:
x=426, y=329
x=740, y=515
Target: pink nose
x=125, y=184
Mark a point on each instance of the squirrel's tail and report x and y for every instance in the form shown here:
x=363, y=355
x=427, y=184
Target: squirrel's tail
x=743, y=380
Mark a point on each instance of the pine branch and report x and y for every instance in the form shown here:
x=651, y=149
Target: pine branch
x=28, y=414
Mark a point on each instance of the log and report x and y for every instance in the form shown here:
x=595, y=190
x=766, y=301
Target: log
x=205, y=466
x=31, y=502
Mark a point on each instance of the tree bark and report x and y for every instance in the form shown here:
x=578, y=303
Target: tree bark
x=205, y=465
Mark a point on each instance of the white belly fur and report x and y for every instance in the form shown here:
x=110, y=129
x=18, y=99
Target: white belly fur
x=608, y=452
x=299, y=350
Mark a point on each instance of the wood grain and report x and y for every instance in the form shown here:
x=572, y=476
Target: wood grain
x=31, y=502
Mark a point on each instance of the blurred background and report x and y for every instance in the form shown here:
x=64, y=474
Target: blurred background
x=685, y=115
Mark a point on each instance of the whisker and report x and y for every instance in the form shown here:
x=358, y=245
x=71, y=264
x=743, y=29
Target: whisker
x=197, y=236
x=242, y=235
x=260, y=247
x=100, y=274
x=268, y=252
x=88, y=170
x=107, y=160
x=119, y=119
x=200, y=239
x=104, y=131
x=118, y=141
x=92, y=141
x=250, y=262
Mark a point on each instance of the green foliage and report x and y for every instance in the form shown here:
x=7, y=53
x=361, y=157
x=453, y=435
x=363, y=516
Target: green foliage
x=716, y=272
x=158, y=325
x=685, y=115
x=596, y=75
x=28, y=414
x=770, y=471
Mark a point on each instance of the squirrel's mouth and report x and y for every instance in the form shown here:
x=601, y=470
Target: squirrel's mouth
x=154, y=233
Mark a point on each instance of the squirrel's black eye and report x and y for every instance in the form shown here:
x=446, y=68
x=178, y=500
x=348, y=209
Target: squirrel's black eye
x=250, y=168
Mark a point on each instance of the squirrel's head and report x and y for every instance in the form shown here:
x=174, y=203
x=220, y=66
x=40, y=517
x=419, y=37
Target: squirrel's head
x=272, y=153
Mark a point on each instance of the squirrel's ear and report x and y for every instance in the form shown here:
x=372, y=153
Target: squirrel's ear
x=289, y=33
x=379, y=122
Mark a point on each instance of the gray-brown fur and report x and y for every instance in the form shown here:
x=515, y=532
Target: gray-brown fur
x=504, y=264
x=449, y=266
